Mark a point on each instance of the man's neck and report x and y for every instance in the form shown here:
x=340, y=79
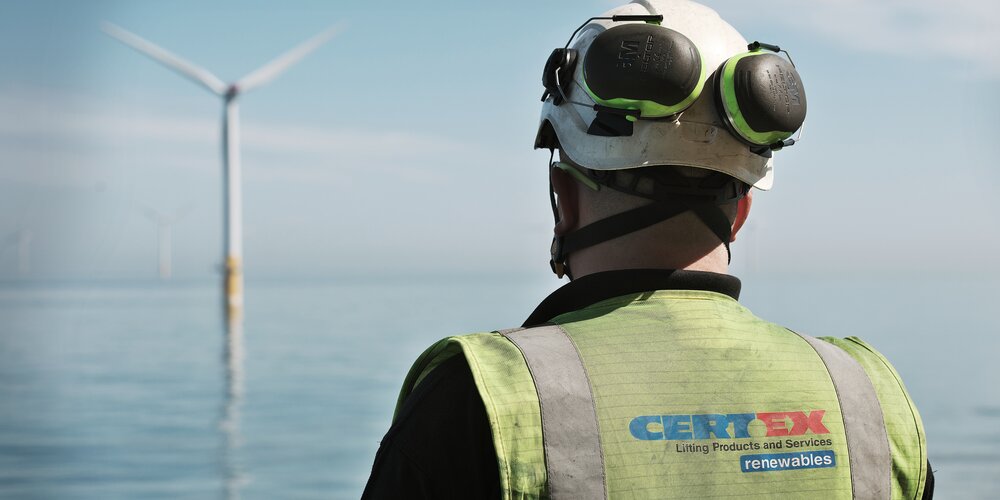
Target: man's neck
x=600, y=259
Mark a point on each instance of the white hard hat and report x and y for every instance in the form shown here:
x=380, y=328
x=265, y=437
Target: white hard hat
x=698, y=138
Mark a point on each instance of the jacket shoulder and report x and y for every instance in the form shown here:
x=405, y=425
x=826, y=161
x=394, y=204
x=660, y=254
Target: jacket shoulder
x=507, y=390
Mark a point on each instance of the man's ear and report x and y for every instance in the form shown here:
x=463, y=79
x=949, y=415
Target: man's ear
x=742, y=212
x=567, y=201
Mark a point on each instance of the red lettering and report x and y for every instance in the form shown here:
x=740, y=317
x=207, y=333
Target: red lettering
x=775, y=423
x=812, y=422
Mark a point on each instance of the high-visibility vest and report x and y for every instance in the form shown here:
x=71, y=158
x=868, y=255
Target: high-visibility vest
x=686, y=394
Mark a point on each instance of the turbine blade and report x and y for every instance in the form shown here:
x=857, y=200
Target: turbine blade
x=182, y=212
x=147, y=211
x=274, y=68
x=195, y=73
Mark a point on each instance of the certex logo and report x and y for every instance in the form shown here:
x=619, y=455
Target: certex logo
x=728, y=426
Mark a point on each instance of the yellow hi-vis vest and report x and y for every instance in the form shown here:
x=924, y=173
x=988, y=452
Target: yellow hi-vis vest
x=686, y=394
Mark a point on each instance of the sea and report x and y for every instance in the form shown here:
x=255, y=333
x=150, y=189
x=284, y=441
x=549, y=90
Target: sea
x=140, y=390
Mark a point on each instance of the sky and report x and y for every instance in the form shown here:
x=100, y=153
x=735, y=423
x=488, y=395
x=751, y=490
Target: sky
x=404, y=145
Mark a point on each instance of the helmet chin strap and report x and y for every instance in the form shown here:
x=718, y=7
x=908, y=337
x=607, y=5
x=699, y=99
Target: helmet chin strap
x=558, y=261
x=667, y=202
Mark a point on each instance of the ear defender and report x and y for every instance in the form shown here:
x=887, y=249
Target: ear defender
x=649, y=69
x=760, y=96
x=642, y=70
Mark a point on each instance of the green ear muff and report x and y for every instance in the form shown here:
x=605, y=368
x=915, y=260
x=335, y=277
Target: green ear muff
x=760, y=96
x=644, y=67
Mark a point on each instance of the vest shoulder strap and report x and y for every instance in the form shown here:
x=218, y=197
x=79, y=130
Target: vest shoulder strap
x=574, y=459
x=864, y=426
x=903, y=427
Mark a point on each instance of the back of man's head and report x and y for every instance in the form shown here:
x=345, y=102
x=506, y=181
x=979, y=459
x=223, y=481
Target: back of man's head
x=665, y=106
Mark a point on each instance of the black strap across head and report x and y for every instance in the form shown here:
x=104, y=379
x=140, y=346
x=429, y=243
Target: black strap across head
x=671, y=194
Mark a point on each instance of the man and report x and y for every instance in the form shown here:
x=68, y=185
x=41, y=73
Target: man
x=644, y=377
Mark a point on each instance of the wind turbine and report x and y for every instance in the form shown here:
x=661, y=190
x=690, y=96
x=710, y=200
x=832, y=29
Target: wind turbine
x=232, y=174
x=164, y=235
x=21, y=238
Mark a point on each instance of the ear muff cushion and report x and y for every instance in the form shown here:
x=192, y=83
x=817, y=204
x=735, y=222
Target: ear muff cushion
x=646, y=67
x=762, y=97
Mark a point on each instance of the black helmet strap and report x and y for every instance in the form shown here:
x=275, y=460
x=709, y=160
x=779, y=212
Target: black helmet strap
x=668, y=200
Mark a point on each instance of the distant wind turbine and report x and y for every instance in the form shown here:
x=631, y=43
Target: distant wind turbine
x=232, y=175
x=22, y=240
x=164, y=236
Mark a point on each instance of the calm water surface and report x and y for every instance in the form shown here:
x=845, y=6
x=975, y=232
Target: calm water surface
x=131, y=391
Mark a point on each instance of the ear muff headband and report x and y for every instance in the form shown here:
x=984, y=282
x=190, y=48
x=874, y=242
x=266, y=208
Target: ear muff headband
x=558, y=70
x=645, y=67
x=761, y=97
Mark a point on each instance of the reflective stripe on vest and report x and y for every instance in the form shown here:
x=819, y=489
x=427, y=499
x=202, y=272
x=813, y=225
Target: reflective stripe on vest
x=867, y=442
x=574, y=463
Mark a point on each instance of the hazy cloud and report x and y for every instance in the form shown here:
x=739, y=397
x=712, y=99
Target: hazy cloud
x=957, y=30
x=43, y=136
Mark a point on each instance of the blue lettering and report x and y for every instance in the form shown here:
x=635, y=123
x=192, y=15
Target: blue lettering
x=677, y=426
x=740, y=423
x=639, y=426
x=706, y=425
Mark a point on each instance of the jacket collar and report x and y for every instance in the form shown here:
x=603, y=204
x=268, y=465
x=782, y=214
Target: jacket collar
x=596, y=287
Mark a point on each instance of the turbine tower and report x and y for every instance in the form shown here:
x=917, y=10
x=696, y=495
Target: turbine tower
x=164, y=236
x=232, y=174
x=22, y=240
